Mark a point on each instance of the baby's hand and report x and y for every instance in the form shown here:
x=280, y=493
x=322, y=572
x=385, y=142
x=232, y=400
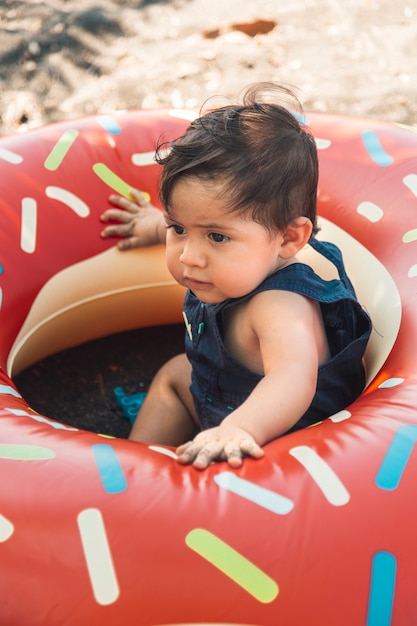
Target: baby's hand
x=140, y=223
x=222, y=443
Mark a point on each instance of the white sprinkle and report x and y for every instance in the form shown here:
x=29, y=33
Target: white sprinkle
x=410, y=181
x=71, y=200
x=322, y=144
x=371, y=211
x=98, y=556
x=10, y=157
x=328, y=482
x=165, y=451
x=267, y=499
x=28, y=225
x=341, y=416
x=6, y=529
x=391, y=382
x=143, y=158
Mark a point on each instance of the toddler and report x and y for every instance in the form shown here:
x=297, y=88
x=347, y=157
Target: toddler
x=270, y=346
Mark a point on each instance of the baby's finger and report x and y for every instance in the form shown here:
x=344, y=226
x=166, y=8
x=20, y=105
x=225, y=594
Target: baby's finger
x=183, y=448
x=234, y=457
x=117, y=230
x=199, y=456
x=117, y=215
x=139, y=197
x=129, y=243
x=204, y=458
x=129, y=206
x=251, y=448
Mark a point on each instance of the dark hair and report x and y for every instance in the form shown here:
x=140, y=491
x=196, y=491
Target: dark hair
x=266, y=158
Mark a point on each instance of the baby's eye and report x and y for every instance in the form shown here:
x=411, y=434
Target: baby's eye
x=218, y=237
x=178, y=230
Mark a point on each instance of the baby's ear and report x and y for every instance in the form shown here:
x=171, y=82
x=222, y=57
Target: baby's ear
x=295, y=237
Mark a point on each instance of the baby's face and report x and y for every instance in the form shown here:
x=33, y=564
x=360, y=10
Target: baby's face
x=213, y=252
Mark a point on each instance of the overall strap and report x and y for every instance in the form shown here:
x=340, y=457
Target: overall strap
x=332, y=253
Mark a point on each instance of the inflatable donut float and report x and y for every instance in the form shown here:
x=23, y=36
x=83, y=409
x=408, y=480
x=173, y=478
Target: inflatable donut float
x=99, y=530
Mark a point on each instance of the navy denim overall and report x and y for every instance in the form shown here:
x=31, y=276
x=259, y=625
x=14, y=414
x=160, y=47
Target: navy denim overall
x=220, y=383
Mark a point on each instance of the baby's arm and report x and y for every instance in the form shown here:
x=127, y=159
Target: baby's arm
x=289, y=331
x=139, y=222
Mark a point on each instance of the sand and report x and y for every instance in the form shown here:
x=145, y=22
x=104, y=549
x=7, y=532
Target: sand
x=69, y=58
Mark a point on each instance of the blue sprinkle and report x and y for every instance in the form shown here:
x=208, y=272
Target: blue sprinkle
x=7, y=389
x=109, y=124
x=110, y=470
x=397, y=457
x=1, y=269
x=382, y=591
x=301, y=118
x=375, y=150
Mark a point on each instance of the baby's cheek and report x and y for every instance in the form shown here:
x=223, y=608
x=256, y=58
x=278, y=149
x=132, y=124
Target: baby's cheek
x=173, y=263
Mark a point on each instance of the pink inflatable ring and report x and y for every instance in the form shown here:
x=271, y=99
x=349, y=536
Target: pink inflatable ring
x=95, y=530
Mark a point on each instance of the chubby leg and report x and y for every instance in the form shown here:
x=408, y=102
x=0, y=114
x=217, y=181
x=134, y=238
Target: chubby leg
x=167, y=415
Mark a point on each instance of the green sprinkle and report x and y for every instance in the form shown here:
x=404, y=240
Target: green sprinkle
x=25, y=453
x=232, y=564
x=114, y=181
x=410, y=236
x=60, y=149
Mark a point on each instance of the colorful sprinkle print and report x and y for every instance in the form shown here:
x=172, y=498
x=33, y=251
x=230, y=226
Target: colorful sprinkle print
x=10, y=157
x=410, y=181
x=110, y=470
x=6, y=529
x=233, y=565
x=68, y=198
x=143, y=159
x=98, y=556
x=109, y=124
x=410, y=236
x=60, y=149
x=9, y=390
x=390, y=383
x=381, y=597
x=19, y=452
x=39, y=418
x=265, y=498
x=29, y=225
x=375, y=150
x=397, y=457
x=115, y=182
x=371, y=211
x=330, y=485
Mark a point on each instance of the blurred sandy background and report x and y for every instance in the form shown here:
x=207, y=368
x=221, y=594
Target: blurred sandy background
x=70, y=58
x=62, y=59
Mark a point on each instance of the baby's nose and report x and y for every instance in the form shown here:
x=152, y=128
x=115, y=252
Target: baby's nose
x=192, y=254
